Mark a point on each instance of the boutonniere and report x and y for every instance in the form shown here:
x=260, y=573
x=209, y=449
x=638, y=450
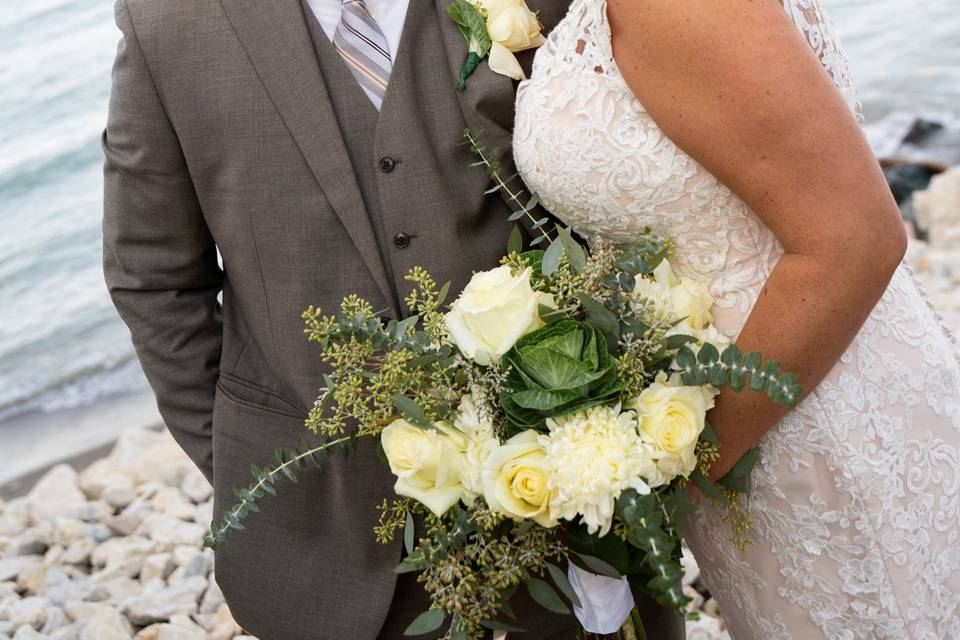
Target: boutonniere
x=498, y=29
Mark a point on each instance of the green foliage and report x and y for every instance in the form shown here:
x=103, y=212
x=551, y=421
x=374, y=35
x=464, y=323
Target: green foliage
x=735, y=370
x=560, y=368
x=473, y=28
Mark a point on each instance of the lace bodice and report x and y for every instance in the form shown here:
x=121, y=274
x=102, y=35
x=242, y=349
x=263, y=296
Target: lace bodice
x=856, y=497
x=600, y=163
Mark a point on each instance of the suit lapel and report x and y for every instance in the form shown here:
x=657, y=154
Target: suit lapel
x=275, y=39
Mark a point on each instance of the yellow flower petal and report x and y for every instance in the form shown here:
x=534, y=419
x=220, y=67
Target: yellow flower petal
x=505, y=63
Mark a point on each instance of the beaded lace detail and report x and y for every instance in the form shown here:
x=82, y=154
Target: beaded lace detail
x=856, y=500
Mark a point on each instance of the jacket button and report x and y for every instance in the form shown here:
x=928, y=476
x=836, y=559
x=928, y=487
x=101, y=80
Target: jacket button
x=401, y=240
x=387, y=164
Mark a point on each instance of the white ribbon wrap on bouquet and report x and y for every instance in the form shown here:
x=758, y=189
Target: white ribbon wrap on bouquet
x=606, y=603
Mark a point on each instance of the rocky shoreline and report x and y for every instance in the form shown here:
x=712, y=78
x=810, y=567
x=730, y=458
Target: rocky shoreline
x=114, y=552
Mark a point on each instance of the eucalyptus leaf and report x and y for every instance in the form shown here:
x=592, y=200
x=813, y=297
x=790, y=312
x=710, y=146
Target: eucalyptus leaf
x=706, y=486
x=544, y=595
x=551, y=258
x=409, y=408
x=563, y=583
x=426, y=622
x=515, y=243
x=408, y=533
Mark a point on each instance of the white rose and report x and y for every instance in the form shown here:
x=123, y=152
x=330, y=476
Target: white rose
x=671, y=418
x=676, y=298
x=494, y=310
x=476, y=425
x=516, y=480
x=427, y=463
x=512, y=27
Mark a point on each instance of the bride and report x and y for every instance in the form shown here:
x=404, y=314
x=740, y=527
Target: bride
x=733, y=126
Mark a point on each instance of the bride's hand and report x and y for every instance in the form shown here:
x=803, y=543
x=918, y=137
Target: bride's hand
x=734, y=84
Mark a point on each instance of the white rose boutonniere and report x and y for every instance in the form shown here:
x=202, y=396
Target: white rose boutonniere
x=498, y=29
x=494, y=311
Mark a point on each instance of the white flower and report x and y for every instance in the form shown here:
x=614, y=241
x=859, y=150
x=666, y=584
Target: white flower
x=512, y=27
x=675, y=298
x=594, y=455
x=475, y=423
x=516, y=480
x=671, y=418
x=427, y=463
x=494, y=311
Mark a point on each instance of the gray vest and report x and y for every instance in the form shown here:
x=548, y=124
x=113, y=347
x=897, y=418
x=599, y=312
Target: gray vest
x=386, y=148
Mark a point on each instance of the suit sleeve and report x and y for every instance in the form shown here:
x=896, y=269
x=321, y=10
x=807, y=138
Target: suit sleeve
x=160, y=260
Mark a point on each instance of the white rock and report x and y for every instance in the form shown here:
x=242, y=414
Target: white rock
x=68, y=530
x=126, y=568
x=101, y=476
x=32, y=579
x=204, y=514
x=95, y=511
x=11, y=523
x=938, y=209
x=31, y=611
x=119, y=497
x=196, y=487
x=78, y=552
x=168, y=532
x=107, y=624
x=181, y=597
x=198, y=565
x=212, y=598
x=29, y=633
x=81, y=611
x=56, y=494
x=117, y=549
x=180, y=627
x=157, y=565
x=691, y=571
x=146, y=455
x=29, y=543
x=61, y=588
x=10, y=568
x=56, y=618
x=120, y=589
x=69, y=632
x=170, y=501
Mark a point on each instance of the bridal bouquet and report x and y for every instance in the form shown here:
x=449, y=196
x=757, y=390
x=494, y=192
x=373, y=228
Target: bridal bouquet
x=554, y=413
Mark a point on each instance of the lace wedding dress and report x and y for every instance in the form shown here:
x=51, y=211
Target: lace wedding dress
x=856, y=500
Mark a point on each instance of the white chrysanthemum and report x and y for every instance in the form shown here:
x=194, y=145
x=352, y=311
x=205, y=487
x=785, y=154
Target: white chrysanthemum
x=474, y=421
x=594, y=455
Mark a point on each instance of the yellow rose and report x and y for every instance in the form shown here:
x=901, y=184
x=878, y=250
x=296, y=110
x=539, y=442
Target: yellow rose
x=516, y=479
x=494, y=310
x=427, y=463
x=671, y=418
x=512, y=28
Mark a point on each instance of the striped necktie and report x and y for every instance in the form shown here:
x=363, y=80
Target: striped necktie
x=364, y=48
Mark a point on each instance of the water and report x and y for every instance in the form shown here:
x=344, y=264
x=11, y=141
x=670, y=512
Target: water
x=61, y=344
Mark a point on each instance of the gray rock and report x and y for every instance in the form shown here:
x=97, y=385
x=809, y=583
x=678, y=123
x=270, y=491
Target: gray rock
x=181, y=598
x=56, y=494
x=31, y=611
x=96, y=511
x=107, y=624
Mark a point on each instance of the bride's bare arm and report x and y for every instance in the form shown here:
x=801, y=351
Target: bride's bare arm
x=735, y=85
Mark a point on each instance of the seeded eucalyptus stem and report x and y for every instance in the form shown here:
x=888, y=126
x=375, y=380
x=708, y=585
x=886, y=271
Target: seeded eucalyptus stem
x=265, y=478
x=493, y=170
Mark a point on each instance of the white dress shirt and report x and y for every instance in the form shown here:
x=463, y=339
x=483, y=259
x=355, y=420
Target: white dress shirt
x=389, y=14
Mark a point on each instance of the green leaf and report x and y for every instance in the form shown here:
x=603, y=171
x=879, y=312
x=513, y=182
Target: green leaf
x=598, y=566
x=563, y=583
x=408, y=533
x=544, y=595
x=515, y=243
x=444, y=292
x=709, y=435
x=599, y=316
x=472, y=26
x=532, y=202
x=551, y=258
x=708, y=354
x=575, y=253
x=426, y=622
x=705, y=485
x=409, y=408
x=516, y=215
x=678, y=340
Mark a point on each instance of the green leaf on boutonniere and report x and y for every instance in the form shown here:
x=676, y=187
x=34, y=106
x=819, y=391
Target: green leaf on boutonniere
x=473, y=28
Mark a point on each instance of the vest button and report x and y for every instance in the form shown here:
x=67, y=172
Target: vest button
x=387, y=164
x=401, y=240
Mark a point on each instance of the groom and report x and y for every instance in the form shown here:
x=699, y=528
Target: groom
x=320, y=157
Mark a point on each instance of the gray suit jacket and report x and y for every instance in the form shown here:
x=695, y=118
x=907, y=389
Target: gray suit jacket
x=221, y=135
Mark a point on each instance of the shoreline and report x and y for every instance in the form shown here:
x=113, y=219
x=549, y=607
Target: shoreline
x=33, y=443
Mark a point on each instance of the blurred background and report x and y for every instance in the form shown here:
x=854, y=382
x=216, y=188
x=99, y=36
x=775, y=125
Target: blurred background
x=68, y=376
